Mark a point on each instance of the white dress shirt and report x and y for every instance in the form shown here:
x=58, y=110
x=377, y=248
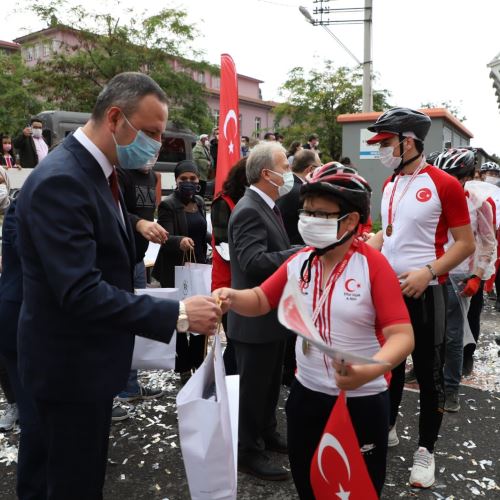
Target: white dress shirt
x=99, y=156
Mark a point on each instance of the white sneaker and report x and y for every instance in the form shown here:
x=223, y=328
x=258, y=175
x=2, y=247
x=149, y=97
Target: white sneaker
x=422, y=472
x=393, y=439
x=9, y=418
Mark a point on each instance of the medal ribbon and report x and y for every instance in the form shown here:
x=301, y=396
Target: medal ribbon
x=332, y=279
x=391, y=215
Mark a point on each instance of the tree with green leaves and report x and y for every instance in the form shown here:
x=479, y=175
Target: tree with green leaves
x=155, y=44
x=313, y=101
x=452, y=107
x=17, y=96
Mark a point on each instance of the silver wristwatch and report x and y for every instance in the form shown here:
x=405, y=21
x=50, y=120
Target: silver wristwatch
x=182, y=319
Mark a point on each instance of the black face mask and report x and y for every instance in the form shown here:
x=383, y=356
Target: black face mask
x=188, y=189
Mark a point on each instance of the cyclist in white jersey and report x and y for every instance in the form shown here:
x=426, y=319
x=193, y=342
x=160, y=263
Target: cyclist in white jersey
x=353, y=296
x=465, y=280
x=420, y=204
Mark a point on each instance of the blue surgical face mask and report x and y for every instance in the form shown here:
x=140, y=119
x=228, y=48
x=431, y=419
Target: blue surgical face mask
x=139, y=152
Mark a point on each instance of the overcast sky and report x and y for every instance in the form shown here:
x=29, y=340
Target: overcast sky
x=423, y=51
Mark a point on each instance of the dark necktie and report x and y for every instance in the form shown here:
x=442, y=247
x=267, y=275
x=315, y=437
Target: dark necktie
x=113, y=184
x=277, y=212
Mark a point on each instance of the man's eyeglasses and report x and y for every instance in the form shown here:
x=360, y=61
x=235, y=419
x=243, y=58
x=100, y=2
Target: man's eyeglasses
x=318, y=213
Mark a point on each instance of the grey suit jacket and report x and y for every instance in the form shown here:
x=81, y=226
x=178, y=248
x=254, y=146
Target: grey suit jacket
x=258, y=245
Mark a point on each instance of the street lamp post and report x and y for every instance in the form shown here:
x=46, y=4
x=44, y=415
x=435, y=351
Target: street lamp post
x=367, y=63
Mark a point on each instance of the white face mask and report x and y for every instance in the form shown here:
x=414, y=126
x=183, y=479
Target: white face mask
x=318, y=233
x=387, y=159
x=287, y=182
x=37, y=133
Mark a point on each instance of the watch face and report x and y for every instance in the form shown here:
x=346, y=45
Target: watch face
x=183, y=325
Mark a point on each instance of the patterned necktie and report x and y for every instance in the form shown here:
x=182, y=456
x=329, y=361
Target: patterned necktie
x=113, y=184
x=277, y=212
x=8, y=162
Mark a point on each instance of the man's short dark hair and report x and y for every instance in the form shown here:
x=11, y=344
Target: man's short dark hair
x=312, y=137
x=125, y=90
x=303, y=159
x=269, y=134
x=36, y=119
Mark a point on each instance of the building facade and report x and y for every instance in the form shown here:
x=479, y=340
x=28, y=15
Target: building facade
x=256, y=115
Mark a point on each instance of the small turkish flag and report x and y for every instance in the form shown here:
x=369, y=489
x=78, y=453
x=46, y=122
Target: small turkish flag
x=338, y=470
x=228, y=152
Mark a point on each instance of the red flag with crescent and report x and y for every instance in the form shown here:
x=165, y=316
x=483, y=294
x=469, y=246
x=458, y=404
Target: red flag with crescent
x=338, y=470
x=229, y=135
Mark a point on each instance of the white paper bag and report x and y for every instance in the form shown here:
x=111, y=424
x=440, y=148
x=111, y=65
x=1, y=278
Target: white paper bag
x=207, y=407
x=193, y=279
x=151, y=354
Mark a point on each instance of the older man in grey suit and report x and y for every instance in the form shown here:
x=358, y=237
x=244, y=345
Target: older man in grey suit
x=258, y=245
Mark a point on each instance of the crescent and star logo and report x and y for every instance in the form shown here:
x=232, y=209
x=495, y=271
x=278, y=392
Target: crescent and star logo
x=351, y=285
x=424, y=195
x=330, y=441
x=231, y=115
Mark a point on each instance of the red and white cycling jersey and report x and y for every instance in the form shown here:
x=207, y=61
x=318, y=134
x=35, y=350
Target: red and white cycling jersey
x=365, y=299
x=433, y=203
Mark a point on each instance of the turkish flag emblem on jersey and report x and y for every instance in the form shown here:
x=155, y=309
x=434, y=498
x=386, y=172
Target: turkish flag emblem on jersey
x=338, y=470
x=229, y=135
x=424, y=194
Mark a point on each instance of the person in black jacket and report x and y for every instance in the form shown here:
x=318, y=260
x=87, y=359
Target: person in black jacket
x=139, y=192
x=304, y=162
x=31, y=145
x=214, y=147
x=182, y=214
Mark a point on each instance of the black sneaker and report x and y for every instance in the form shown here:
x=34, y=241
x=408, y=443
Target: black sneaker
x=145, y=393
x=410, y=377
x=119, y=413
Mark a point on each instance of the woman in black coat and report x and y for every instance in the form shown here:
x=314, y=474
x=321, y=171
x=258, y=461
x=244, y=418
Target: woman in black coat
x=182, y=214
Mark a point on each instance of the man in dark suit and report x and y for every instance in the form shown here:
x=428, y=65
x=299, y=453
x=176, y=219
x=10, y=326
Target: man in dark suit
x=79, y=314
x=31, y=145
x=258, y=245
x=304, y=162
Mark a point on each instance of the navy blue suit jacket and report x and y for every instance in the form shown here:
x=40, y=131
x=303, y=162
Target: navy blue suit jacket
x=11, y=284
x=79, y=315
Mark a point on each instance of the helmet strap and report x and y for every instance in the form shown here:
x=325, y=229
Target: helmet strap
x=406, y=162
x=305, y=272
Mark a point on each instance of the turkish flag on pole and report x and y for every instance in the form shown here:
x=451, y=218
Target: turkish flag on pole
x=338, y=469
x=229, y=135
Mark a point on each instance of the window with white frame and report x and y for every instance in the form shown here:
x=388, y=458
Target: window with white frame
x=200, y=77
x=257, y=127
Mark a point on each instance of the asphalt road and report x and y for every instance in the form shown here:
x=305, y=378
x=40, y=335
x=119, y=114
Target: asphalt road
x=145, y=460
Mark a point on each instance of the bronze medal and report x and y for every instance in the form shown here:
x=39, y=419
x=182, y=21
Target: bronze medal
x=388, y=230
x=305, y=347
